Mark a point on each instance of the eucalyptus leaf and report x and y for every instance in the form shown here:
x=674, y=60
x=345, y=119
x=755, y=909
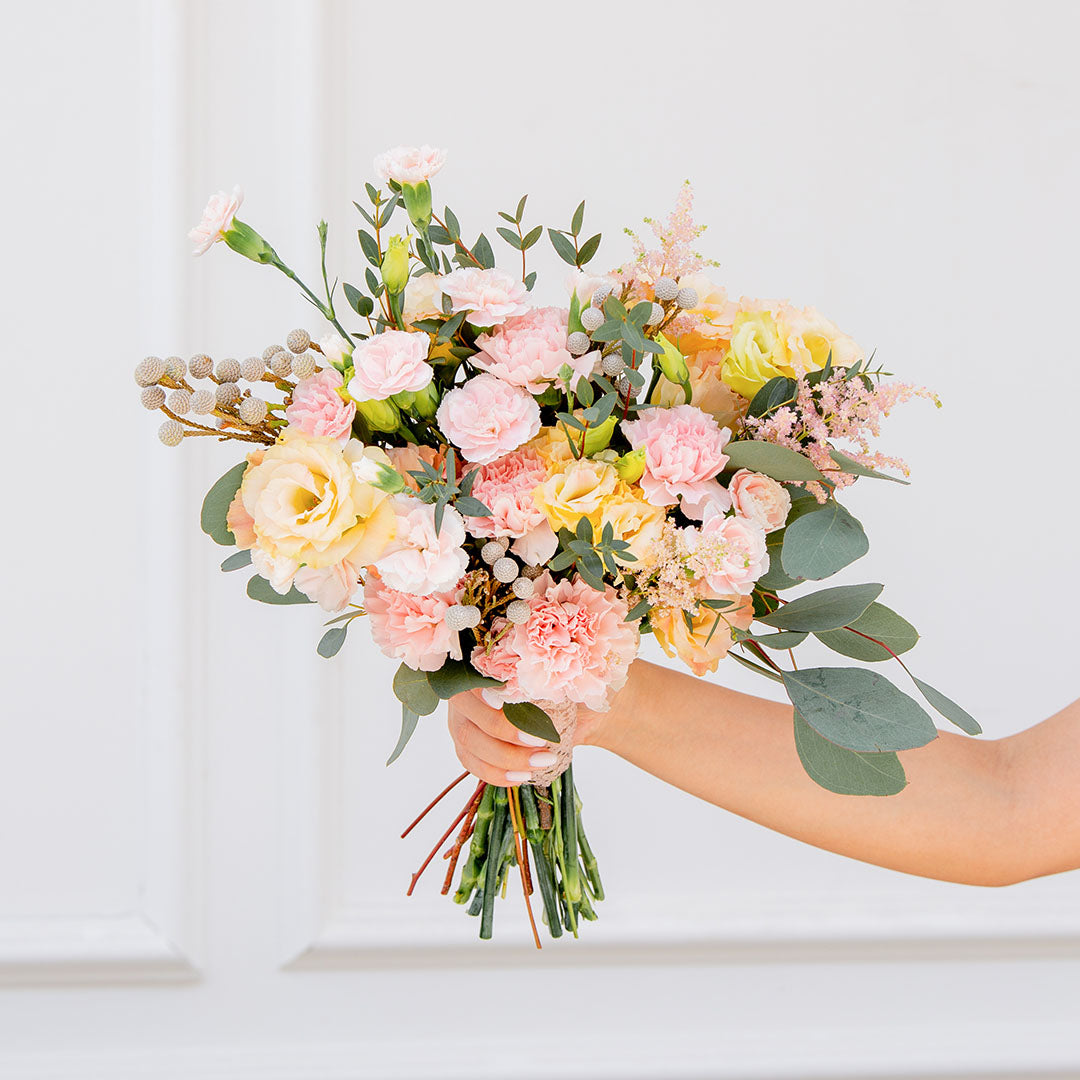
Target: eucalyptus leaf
x=857, y=468
x=828, y=609
x=858, y=709
x=331, y=642
x=779, y=462
x=776, y=392
x=588, y=249
x=948, y=708
x=412, y=689
x=821, y=543
x=578, y=218
x=409, y=720
x=215, y=506
x=531, y=719
x=237, y=561
x=878, y=622
x=258, y=588
x=783, y=639
x=843, y=771
x=774, y=579
x=564, y=248
x=457, y=676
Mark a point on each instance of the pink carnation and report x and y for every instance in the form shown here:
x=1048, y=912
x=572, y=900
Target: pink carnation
x=216, y=221
x=576, y=644
x=505, y=487
x=411, y=628
x=499, y=662
x=489, y=296
x=527, y=350
x=487, y=418
x=684, y=451
x=420, y=560
x=728, y=554
x=409, y=164
x=760, y=498
x=393, y=362
x=318, y=409
x=331, y=587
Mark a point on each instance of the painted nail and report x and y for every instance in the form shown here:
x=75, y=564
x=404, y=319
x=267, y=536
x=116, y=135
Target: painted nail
x=530, y=740
x=543, y=759
x=518, y=777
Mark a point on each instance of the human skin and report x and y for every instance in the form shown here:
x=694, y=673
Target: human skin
x=975, y=811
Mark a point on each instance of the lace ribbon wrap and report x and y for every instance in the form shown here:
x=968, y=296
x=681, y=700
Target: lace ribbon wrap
x=564, y=716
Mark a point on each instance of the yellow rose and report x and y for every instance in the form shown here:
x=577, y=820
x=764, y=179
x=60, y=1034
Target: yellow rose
x=307, y=504
x=695, y=647
x=757, y=353
x=574, y=492
x=810, y=338
x=632, y=519
x=710, y=393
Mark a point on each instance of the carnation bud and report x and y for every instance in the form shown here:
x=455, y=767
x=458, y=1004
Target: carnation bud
x=426, y=401
x=395, y=265
x=417, y=199
x=245, y=240
x=379, y=415
x=631, y=465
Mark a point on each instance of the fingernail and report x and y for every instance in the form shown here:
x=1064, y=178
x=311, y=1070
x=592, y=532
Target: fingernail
x=518, y=777
x=530, y=740
x=543, y=759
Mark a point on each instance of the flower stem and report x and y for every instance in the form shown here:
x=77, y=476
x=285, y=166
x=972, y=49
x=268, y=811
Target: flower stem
x=470, y=874
x=493, y=869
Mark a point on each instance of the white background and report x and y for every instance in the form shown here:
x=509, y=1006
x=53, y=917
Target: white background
x=199, y=870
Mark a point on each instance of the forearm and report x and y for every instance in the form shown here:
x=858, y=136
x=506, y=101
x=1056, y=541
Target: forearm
x=957, y=819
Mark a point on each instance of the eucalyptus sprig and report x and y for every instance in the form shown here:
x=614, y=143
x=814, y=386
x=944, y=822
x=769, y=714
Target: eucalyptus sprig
x=590, y=558
x=565, y=241
x=448, y=490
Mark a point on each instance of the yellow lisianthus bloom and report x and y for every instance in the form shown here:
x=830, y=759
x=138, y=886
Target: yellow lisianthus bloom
x=757, y=353
x=576, y=490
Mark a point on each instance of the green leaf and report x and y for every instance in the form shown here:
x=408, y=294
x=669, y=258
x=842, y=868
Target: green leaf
x=860, y=710
x=776, y=392
x=216, y=505
x=457, y=676
x=471, y=507
x=785, y=639
x=878, y=622
x=531, y=237
x=450, y=327
x=509, y=236
x=331, y=641
x=588, y=250
x=413, y=690
x=563, y=247
x=258, y=588
x=360, y=303
x=857, y=468
x=578, y=218
x=453, y=228
x=828, y=609
x=949, y=709
x=369, y=246
x=779, y=462
x=482, y=252
x=531, y=719
x=846, y=772
x=235, y=562
x=822, y=542
x=409, y=720
x=638, y=611
x=774, y=579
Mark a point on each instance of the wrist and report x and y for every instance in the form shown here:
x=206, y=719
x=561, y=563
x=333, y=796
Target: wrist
x=609, y=729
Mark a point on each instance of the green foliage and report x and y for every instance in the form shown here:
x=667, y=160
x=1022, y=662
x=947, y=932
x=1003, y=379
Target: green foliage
x=856, y=468
x=412, y=689
x=531, y=719
x=828, y=609
x=457, y=676
x=879, y=622
x=331, y=642
x=820, y=543
x=258, y=588
x=409, y=720
x=443, y=492
x=581, y=550
x=215, y=506
x=779, y=462
x=361, y=304
x=843, y=771
x=857, y=709
x=237, y=561
x=775, y=393
x=948, y=708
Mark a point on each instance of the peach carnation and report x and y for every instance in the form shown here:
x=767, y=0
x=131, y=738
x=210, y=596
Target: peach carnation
x=216, y=221
x=760, y=498
x=411, y=458
x=487, y=418
x=684, y=451
x=489, y=296
x=393, y=362
x=505, y=487
x=409, y=164
x=420, y=560
x=527, y=350
x=318, y=409
x=727, y=554
x=411, y=628
x=576, y=644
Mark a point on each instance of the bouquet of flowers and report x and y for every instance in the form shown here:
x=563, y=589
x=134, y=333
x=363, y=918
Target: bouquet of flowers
x=513, y=493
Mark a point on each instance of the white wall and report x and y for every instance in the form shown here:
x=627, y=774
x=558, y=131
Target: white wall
x=199, y=870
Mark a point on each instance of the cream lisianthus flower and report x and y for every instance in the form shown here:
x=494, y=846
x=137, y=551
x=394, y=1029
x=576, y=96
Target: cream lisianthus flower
x=757, y=353
x=633, y=520
x=578, y=490
x=696, y=648
x=810, y=338
x=307, y=504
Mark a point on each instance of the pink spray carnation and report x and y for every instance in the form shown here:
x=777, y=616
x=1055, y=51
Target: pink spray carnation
x=331, y=587
x=411, y=628
x=760, y=498
x=505, y=487
x=318, y=409
x=421, y=560
x=409, y=164
x=527, y=350
x=217, y=219
x=487, y=418
x=684, y=451
x=389, y=363
x=489, y=296
x=727, y=554
x=576, y=645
